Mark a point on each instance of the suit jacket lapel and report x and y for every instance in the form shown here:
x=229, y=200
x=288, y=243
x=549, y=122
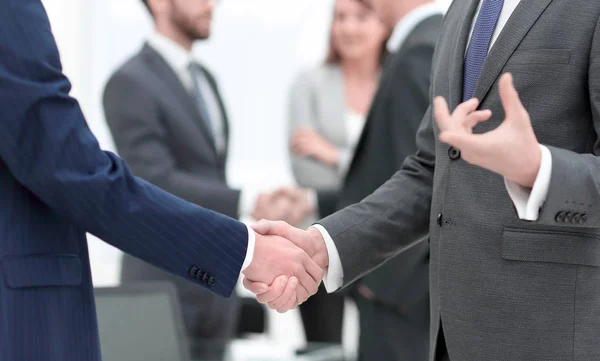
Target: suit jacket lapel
x=166, y=73
x=522, y=19
x=464, y=24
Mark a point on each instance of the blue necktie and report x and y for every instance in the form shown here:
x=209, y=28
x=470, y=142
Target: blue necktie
x=480, y=44
x=196, y=72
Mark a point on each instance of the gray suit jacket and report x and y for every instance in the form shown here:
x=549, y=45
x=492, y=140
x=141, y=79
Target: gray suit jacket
x=503, y=288
x=157, y=129
x=317, y=102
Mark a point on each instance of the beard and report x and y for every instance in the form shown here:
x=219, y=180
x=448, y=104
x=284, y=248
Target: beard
x=192, y=28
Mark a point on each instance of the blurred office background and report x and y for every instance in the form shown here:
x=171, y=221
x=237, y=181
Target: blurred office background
x=255, y=50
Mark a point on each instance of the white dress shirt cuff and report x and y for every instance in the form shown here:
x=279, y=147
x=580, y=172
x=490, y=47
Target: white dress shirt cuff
x=529, y=201
x=334, y=274
x=247, y=202
x=250, y=249
x=345, y=159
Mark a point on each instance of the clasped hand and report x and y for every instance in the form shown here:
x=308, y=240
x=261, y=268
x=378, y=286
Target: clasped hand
x=288, y=265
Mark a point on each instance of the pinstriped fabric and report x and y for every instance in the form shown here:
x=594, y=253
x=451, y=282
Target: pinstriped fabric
x=55, y=185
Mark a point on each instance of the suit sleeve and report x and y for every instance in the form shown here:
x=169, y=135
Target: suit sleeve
x=391, y=219
x=574, y=190
x=141, y=138
x=49, y=149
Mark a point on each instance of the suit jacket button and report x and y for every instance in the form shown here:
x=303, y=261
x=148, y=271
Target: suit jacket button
x=211, y=281
x=568, y=217
x=439, y=219
x=583, y=219
x=576, y=218
x=205, y=278
x=199, y=275
x=453, y=153
x=193, y=271
x=560, y=217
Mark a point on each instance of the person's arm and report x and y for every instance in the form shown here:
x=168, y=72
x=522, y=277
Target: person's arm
x=141, y=139
x=302, y=116
x=572, y=186
x=395, y=216
x=48, y=148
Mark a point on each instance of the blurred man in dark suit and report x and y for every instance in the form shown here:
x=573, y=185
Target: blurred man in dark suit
x=169, y=123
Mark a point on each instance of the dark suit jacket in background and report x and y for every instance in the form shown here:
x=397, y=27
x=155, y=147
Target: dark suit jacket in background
x=56, y=184
x=157, y=129
x=402, y=284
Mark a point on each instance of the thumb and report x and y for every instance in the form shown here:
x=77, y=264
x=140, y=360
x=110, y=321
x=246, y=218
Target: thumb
x=258, y=288
x=262, y=227
x=273, y=228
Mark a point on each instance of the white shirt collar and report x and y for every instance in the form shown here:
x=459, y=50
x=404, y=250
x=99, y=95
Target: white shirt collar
x=174, y=54
x=408, y=23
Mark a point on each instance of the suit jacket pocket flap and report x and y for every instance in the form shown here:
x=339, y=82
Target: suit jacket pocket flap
x=541, y=56
x=42, y=270
x=554, y=247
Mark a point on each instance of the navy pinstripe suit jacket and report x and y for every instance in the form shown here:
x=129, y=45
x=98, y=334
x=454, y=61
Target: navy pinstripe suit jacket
x=56, y=184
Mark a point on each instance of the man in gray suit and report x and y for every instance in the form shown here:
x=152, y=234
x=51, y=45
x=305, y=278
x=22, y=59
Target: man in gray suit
x=507, y=187
x=169, y=123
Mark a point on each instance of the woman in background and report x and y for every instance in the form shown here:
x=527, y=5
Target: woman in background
x=328, y=109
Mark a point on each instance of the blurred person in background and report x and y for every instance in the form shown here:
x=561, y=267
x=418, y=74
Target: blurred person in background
x=346, y=162
x=328, y=106
x=169, y=122
x=393, y=300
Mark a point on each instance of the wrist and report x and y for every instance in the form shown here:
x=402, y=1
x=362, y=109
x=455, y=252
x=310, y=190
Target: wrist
x=320, y=255
x=528, y=179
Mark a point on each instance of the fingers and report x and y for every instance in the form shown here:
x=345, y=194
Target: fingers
x=291, y=304
x=472, y=145
x=476, y=117
x=308, y=286
x=510, y=98
x=258, y=288
x=465, y=108
x=458, y=139
x=275, y=291
x=301, y=146
x=314, y=270
x=288, y=293
x=302, y=294
x=465, y=114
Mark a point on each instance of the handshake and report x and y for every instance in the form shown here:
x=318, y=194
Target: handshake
x=292, y=205
x=288, y=264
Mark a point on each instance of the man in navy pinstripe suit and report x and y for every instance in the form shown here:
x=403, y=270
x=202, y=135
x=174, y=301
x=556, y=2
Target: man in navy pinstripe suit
x=56, y=184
